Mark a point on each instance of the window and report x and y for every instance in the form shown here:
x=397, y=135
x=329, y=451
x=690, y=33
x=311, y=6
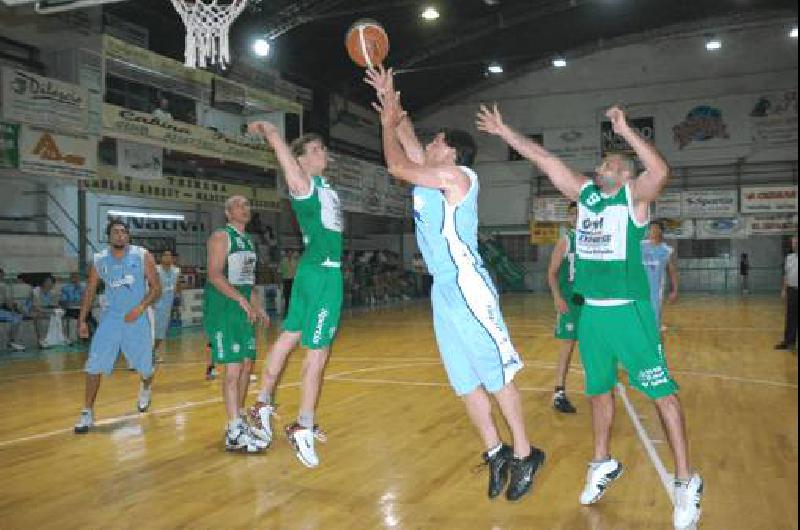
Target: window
x=704, y=248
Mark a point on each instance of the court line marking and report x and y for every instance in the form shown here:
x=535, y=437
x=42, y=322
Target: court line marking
x=422, y=383
x=187, y=405
x=649, y=447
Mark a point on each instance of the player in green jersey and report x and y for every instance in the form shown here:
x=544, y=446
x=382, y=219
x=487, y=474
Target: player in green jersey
x=561, y=279
x=317, y=292
x=230, y=309
x=617, y=322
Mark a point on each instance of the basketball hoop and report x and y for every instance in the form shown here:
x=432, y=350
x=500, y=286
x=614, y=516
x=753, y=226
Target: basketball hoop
x=207, y=24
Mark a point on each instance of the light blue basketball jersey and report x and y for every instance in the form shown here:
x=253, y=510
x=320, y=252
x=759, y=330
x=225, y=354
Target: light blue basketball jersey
x=447, y=236
x=655, y=259
x=125, y=283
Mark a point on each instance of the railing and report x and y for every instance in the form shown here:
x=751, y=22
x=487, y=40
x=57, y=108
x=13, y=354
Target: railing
x=35, y=219
x=728, y=279
x=67, y=216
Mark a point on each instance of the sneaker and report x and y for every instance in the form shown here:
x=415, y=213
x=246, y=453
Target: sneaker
x=260, y=416
x=562, y=404
x=211, y=373
x=598, y=478
x=242, y=440
x=85, y=422
x=687, y=502
x=498, y=469
x=145, y=395
x=16, y=346
x=522, y=472
x=302, y=439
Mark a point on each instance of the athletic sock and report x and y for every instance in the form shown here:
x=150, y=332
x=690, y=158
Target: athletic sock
x=306, y=420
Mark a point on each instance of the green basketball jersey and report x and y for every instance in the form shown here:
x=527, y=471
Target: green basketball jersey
x=566, y=273
x=319, y=215
x=240, y=269
x=609, y=264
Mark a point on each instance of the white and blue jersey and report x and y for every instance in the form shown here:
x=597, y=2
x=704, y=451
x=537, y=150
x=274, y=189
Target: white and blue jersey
x=472, y=337
x=655, y=259
x=163, y=307
x=125, y=287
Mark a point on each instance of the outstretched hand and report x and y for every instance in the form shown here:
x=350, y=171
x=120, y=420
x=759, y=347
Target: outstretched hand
x=381, y=79
x=618, y=121
x=262, y=128
x=490, y=121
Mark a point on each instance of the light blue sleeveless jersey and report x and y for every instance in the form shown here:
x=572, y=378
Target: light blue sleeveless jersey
x=655, y=259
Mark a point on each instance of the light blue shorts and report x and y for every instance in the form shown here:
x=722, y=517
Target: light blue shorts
x=162, y=312
x=114, y=335
x=473, y=339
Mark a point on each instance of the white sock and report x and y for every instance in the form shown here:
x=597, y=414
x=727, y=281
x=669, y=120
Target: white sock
x=234, y=424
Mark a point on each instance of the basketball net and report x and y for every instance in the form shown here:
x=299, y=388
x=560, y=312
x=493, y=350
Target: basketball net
x=207, y=27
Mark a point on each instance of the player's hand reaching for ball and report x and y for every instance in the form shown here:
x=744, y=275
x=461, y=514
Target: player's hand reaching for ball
x=262, y=128
x=389, y=108
x=490, y=121
x=381, y=79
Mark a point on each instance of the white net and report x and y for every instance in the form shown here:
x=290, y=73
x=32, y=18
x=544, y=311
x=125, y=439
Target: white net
x=207, y=27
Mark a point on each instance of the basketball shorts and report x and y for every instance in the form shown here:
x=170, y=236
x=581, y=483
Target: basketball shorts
x=624, y=334
x=472, y=337
x=315, y=306
x=114, y=335
x=567, y=323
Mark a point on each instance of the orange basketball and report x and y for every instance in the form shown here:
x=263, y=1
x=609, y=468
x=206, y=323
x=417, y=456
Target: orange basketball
x=367, y=43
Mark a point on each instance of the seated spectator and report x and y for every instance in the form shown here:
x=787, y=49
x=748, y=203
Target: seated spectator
x=9, y=312
x=162, y=112
x=40, y=308
x=70, y=300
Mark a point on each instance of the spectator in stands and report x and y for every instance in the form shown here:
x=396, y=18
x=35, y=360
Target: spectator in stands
x=744, y=272
x=40, y=308
x=162, y=112
x=70, y=300
x=789, y=293
x=9, y=312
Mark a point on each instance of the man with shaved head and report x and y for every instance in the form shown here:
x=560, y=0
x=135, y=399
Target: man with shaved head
x=230, y=310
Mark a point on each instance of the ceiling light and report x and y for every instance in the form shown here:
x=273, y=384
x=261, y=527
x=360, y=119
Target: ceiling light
x=793, y=32
x=430, y=13
x=713, y=44
x=560, y=62
x=146, y=215
x=261, y=47
x=495, y=68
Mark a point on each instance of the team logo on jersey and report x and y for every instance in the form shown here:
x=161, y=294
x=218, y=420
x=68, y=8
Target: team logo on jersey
x=239, y=242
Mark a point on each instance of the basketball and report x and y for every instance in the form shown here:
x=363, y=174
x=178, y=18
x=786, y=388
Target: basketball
x=367, y=43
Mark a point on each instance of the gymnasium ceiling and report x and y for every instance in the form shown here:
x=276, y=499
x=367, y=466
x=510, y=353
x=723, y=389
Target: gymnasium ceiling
x=449, y=55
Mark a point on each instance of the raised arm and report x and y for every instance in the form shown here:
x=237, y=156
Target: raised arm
x=153, y=292
x=559, y=251
x=382, y=81
x=566, y=180
x=86, y=302
x=648, y=186
x=449, y=179
x=296, y=179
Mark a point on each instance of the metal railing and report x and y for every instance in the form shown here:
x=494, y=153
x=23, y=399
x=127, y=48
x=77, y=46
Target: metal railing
x=67, y=216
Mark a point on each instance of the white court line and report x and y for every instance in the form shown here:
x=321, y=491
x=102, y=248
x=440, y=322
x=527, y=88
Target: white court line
x=188, y=405
x=419, y=383
x=666, y=479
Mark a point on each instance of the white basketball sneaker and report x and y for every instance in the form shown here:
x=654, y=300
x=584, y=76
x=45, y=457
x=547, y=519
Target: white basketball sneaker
x=240, y=439
x=85, y=422
x=260, y=416
x=687, y=503
x=145, y=397
x=302, y=439
x=598, y=479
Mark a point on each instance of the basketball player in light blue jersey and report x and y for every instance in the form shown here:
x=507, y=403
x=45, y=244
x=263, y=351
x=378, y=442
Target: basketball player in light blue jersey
x=168, y=275
x=658, y=259
x=473, y=340
x=131, y=286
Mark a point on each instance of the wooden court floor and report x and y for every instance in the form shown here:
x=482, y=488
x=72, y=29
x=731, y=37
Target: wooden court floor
x=401, y=453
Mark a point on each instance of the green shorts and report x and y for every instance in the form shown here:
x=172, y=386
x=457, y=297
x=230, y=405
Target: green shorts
x=232, y=336
x=625, y=334
x=567, y=323
x=316, y=305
